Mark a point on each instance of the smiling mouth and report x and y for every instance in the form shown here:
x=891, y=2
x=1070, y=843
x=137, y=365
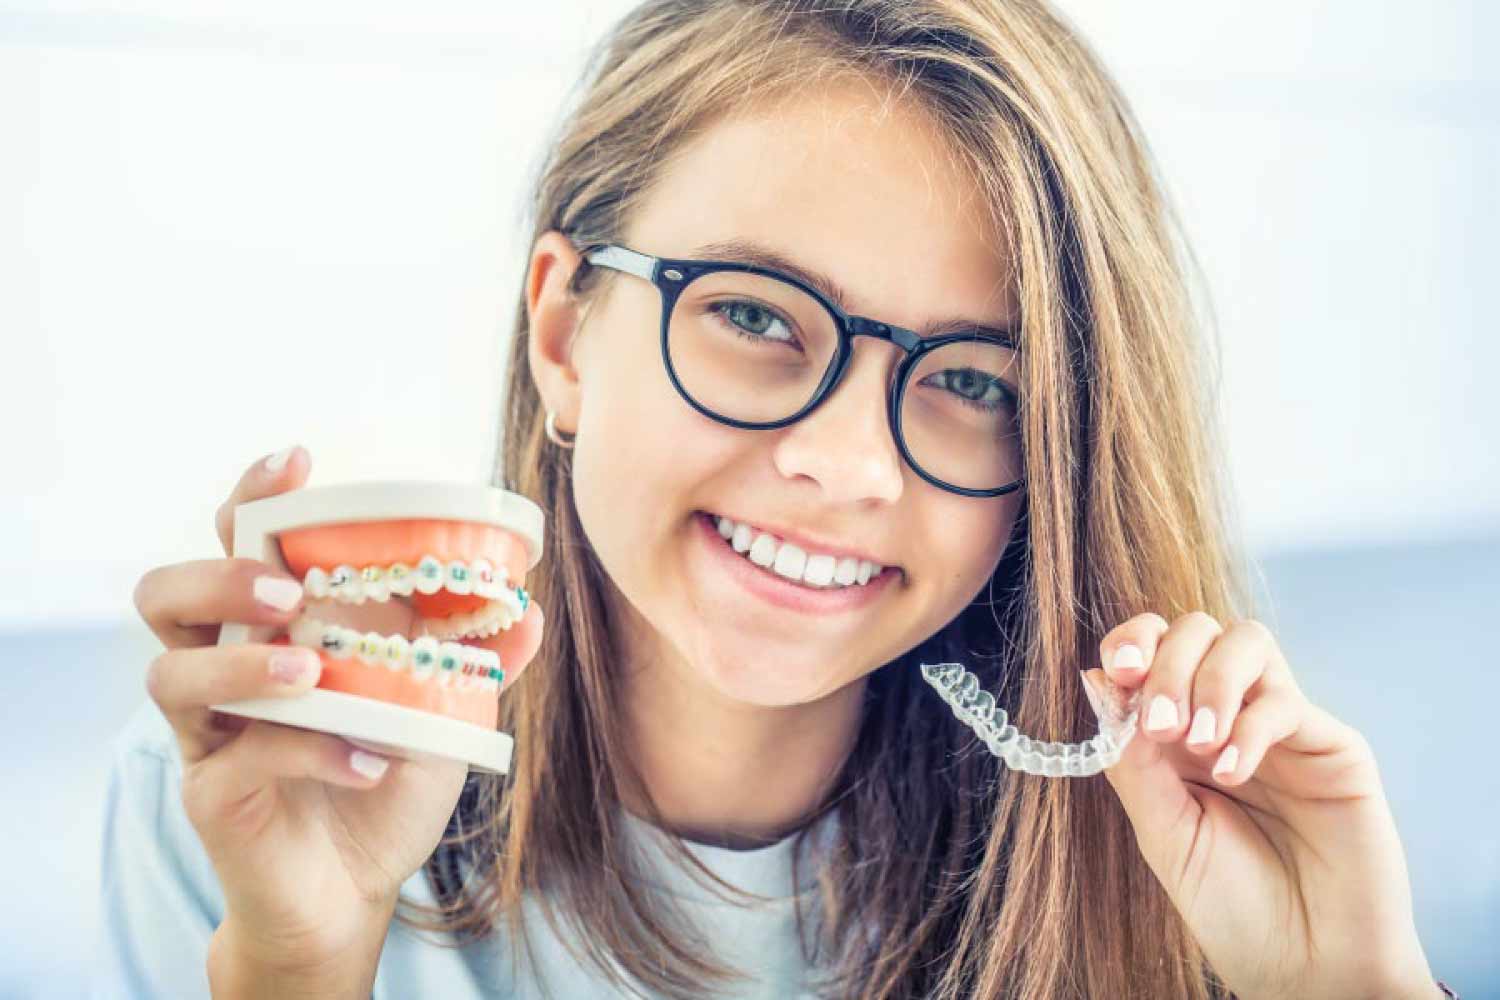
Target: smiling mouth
x=813, y=570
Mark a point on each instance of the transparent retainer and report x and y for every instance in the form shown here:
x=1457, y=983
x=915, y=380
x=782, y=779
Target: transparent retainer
x=1117, y=710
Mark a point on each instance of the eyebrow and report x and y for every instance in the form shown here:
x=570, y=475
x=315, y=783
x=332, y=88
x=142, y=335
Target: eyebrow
x=751, y=252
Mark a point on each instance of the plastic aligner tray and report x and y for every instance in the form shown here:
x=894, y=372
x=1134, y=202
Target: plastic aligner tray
x=976, y=708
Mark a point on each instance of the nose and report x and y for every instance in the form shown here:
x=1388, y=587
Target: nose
x=845, y=445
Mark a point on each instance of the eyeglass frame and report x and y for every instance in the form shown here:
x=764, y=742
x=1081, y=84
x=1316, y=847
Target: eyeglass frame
x=671, y=275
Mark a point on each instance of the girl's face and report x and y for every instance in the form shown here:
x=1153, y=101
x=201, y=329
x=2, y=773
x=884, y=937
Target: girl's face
x=861, y=192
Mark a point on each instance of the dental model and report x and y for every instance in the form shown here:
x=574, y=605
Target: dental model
x=975, y=707
x=434, y=565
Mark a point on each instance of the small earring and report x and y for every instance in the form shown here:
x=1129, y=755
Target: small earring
x=552, y=433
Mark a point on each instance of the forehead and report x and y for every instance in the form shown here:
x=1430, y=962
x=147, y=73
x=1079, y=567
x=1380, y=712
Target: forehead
x=849, y=183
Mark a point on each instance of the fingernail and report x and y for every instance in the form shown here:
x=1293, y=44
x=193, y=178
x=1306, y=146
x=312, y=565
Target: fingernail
x=1128, y=657
x=1203, y=726
x=278, y=461
x=1228, y=760
x=1163, y=714
x=277, y=592
x=293, y=663
x=368, y=764
x=1096, y=700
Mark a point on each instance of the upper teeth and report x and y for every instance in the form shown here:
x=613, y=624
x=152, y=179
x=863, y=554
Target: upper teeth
x=349, y=585
x=813, y=568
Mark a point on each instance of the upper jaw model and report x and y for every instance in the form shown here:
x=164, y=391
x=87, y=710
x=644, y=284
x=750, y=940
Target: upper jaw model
x=414, y=606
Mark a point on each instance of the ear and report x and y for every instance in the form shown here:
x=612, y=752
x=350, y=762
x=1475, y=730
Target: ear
x=553, y=314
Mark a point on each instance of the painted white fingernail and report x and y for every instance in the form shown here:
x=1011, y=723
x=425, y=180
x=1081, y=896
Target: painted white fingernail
x=1163, y=714
x=1096, y=701
x=1228, y=760
x=291, y=664
x=277, y=592
x=278, y=461
x=1203, y=726
x=1128, y=657
x=368, y=764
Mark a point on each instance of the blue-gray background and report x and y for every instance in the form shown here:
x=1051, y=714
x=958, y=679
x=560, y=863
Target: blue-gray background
x=228, y=227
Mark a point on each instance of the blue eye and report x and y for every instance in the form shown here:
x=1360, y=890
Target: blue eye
x=974, y=388
x=751, y=320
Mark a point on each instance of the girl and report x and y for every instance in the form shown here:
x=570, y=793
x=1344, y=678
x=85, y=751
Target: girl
x=853, y=336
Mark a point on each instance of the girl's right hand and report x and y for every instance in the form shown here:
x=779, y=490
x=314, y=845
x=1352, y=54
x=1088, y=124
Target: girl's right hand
x=310, y=836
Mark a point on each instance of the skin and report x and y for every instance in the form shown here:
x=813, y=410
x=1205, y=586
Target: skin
x=1284, y=858
x=309, y=851
x=762, y=701
x=1288, y=872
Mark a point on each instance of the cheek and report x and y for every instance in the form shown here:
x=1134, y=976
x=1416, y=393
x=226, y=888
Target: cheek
x=970, y=547
x=641, y=456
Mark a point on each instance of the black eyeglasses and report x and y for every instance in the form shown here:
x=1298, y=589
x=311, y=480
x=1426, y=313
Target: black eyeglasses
x=755, y=348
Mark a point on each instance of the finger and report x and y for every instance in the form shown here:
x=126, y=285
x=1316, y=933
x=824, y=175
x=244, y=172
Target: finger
x=1268, y=719
x=1127, y=650
x=185, y=682
x=286, y=470
x=216, y=790
x=516, y=646
x=1168, y=688
x=1234, y=664
x=1162, y=810
x=184, y=603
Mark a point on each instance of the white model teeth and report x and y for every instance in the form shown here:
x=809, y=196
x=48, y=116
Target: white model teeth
x=371, y=648
x=457, y=579
x=430, y=575
x=785, y=559
x=315, y=584
x=485, y=622
x=504, y=606
x=397, y=652
x=344, y=586
x=352, y=585
x=444, y=662
x=372, y=579
x=424, y=653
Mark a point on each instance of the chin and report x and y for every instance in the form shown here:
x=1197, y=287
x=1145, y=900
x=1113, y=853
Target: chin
x=769, y=680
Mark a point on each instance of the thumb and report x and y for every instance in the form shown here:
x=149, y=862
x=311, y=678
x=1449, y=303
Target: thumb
x=1161, y=809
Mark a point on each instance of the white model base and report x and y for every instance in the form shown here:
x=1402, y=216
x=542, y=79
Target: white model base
x=384, y=727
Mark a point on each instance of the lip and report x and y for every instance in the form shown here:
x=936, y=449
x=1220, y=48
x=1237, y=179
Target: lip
x=778, y=590
x=808, y=545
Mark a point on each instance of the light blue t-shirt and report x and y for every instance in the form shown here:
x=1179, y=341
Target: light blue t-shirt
x=162, y=902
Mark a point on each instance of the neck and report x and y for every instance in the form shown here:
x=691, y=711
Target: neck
x=725, y=772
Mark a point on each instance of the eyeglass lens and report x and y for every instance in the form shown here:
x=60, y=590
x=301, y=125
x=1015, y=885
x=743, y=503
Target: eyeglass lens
x=754, y=349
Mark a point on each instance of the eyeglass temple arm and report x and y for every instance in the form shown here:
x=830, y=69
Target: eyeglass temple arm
x=623, y=259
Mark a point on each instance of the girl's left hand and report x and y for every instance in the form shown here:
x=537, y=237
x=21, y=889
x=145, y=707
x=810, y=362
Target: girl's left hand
x=1272, y=836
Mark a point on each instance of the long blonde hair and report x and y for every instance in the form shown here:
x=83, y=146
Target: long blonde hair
x=949, y=877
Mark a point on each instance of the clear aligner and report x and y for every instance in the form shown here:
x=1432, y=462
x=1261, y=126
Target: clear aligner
x=428, y=658
x=976, y=708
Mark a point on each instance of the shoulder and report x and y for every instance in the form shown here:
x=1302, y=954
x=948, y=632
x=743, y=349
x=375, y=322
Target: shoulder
x=160, y=900
x=146, y=734
x=146, y=827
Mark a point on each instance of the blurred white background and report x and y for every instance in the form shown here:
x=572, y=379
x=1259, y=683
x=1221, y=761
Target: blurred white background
x=226, y=228
x=229, y=227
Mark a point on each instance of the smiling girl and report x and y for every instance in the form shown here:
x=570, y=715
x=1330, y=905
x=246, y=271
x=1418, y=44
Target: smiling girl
x=854, y=335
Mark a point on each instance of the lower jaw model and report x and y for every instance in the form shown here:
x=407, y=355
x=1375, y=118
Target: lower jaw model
x=413, y=605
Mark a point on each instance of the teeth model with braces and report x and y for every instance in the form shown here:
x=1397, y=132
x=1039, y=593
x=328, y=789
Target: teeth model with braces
x=443, y=555
x=975, y=707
